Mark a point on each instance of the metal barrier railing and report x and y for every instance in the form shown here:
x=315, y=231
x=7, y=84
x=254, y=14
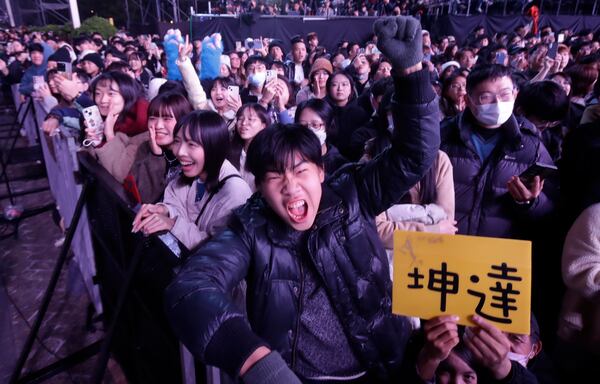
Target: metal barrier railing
x=125, y=274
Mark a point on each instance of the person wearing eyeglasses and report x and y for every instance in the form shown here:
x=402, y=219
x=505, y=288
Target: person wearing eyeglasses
x=317, y=115
x=453, y=96
x=489, y=148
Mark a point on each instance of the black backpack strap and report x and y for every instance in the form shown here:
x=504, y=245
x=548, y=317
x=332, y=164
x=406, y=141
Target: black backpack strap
x=213, y=193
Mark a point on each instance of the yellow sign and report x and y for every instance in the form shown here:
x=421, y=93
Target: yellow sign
x=438, y=274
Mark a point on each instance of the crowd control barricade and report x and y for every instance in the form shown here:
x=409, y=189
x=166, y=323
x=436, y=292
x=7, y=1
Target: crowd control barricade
x=132, y=273
x=60, y=157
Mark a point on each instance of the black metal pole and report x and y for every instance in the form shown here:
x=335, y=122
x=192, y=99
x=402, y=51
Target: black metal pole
x=4, y=175
x=51, y=285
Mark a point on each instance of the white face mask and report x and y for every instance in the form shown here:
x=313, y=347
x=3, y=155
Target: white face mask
x=321, y=134
x=493, y=114
x=519, y=358
x=257, y=79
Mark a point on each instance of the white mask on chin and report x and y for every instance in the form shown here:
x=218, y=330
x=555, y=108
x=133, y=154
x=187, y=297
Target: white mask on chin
x=493, y=114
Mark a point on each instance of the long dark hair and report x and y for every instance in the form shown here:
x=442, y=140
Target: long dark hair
x=208, y=129
x=353, y=93
x=237, y=144
x=130, y=89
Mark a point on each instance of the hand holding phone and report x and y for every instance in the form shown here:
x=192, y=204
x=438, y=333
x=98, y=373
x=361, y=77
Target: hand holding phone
x=538, y=169
x=94, y=126
x=552, y=51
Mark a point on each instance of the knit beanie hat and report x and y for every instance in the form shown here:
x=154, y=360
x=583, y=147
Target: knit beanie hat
x=321, y=63
x=94, y=58
x=61, y=55
x=36, y=47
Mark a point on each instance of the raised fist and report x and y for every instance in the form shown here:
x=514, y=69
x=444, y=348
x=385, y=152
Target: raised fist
x=400, y=39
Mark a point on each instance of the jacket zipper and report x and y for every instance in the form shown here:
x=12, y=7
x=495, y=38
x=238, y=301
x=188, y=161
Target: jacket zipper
x=295, y=342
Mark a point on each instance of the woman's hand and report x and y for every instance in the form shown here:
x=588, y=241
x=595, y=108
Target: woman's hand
x=154, y=148
x=233, y=102
x=43, y=91
x=109, y=123
x=441, y=335
x=67, y=88
x=448, y=226
x=185, y=49
x=152, y=218
x=50, y=125
x=269, y=91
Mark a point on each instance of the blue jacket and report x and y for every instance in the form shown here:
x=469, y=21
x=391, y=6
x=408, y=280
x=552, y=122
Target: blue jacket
x=26, y=86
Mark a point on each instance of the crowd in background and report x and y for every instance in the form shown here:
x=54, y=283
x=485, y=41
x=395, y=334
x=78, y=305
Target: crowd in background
x=504, y=101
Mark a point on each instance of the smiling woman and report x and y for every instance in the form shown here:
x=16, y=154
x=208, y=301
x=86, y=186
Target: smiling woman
x=197, y=204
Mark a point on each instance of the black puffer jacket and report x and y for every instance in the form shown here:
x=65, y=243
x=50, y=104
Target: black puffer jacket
x=343, y=247
x=484, y=206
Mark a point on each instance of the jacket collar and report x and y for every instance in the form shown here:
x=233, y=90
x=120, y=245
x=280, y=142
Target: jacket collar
x=511, y=130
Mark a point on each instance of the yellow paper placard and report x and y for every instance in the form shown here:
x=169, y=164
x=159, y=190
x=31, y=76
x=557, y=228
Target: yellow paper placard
x=437, y=274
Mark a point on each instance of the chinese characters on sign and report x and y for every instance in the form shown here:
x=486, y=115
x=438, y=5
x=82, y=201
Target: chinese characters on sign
x=463, y=275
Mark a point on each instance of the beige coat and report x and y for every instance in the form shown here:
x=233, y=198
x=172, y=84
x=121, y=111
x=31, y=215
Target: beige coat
x=117, y=156
x=445, y=198
x=580, y=315
x=180, y=199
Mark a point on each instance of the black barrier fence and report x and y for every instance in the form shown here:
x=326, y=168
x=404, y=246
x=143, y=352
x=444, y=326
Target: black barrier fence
x=132, y=273
x=359, y=29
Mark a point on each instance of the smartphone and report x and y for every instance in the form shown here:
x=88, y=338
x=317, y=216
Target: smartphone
x=238, y=45
x=271, y=74
x=249, y=43
x=500, y=57
x=234, y=90
x=37, y=82
x=93, y=119
x=538, y=169
x=561, y=38
x=64, y=67
x=258, y=44
x=553, y=50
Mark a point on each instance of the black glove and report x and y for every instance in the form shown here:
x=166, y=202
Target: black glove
x=271, y=369
x=400, y=40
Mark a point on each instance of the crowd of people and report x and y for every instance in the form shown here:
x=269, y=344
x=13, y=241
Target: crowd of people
x=323, y=7
x=284, y=174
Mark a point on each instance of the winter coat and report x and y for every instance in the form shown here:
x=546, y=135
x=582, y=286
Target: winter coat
x=484, y=207
x=197, y=221
x=444, y=184
x=580, y=317
x=342, y=247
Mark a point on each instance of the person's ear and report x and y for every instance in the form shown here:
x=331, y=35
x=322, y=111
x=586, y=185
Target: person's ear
x=536, y=348
x=322, y=173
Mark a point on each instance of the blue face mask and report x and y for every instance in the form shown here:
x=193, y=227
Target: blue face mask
x=257, y=79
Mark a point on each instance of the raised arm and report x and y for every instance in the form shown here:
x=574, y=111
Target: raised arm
x=416, y=139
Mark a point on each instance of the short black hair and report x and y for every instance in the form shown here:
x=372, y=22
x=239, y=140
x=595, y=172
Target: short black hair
x=545, y=100
x=173, y=86
x=273, y=149
x=254, y=59
x=208, y=129
x=486, y=72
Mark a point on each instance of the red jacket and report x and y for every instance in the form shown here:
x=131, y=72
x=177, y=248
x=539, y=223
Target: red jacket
x=136, y=119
